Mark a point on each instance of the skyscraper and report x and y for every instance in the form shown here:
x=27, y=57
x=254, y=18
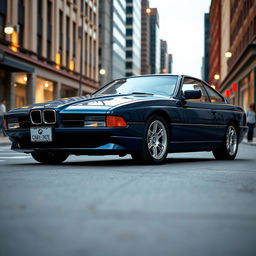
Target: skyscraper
x=112, y=38
x=154, y=42
x=145, y=37
x=163, y=57
x=133, y=37
x=170, y=60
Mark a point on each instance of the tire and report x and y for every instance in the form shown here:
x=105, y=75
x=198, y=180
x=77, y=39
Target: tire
x=50, y=157
x=229, y=148
x=155, y=142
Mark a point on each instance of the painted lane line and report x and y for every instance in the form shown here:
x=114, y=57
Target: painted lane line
x=14, y=157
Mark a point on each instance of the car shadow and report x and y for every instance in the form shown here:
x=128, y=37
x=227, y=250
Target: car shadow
x=131, y=162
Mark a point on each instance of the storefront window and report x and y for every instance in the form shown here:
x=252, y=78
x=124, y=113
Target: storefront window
x=44, y=90
x=20, y=89
x=247, y=91
x=67, y=91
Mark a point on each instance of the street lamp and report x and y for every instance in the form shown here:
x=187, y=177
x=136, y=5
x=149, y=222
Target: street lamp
x=148, y=10
x=102, y=71
x=9, y=29
x=228, y=54
x=217, y=77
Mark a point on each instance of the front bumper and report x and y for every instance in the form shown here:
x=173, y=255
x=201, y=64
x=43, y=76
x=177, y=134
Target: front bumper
x=82, y=141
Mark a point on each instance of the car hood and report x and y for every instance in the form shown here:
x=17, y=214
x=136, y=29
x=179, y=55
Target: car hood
x=109, y=102
x=89, y=103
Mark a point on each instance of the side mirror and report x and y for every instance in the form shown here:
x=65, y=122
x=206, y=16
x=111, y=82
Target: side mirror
x=192, y=94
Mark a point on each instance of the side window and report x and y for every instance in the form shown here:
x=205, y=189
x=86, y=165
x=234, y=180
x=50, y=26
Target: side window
x=191, y=84
x=214, y=97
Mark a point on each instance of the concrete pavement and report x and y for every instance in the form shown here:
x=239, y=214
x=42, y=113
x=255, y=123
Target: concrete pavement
x=191, y=205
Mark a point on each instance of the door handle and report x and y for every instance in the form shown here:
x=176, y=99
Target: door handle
x=214, y=112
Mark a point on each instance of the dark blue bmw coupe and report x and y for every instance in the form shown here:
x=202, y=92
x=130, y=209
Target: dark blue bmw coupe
x=145, y=116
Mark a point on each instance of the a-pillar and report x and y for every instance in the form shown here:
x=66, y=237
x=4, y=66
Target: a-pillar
x=31, y=88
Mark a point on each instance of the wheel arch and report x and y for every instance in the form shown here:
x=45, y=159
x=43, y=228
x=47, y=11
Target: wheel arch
x=162, y=113
x=235, y=123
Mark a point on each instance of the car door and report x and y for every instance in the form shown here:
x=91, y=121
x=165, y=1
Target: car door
x=219, y=109
x=198, y=125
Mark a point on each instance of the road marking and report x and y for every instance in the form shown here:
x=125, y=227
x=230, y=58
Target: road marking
x=14, y=157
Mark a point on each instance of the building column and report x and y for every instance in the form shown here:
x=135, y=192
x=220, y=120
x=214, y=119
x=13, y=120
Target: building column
x=57, y=90
x=254, y=85
x=12, y=91
x=31, y=88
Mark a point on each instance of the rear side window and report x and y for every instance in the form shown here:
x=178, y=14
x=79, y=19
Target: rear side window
x=214, y=96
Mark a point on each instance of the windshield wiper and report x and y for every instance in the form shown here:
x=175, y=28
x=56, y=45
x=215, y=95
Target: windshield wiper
x=143, y=93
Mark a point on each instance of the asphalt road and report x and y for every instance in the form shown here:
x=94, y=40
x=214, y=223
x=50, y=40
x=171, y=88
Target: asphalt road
x=191, y=205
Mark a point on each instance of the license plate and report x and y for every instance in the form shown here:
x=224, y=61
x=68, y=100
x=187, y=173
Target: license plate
x=41, y=134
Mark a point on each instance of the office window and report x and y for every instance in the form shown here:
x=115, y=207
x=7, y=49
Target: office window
x=39, y=27
x=49, y=29
x=74, y=39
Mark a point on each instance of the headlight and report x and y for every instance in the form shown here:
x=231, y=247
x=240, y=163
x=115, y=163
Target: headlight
x=13, y=123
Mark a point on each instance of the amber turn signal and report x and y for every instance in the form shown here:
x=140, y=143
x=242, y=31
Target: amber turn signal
x=115, y=121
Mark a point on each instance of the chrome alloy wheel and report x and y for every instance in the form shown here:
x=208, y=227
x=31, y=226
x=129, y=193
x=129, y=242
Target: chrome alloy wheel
x=157, y=139
x=231, y=140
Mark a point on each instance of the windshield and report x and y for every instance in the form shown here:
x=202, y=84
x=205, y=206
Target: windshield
x=156, y=85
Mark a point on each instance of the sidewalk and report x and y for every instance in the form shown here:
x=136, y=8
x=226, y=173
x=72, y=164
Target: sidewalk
x=4, y=141
x=253, y=143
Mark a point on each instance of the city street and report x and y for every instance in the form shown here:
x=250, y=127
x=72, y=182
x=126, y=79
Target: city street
x=191, y=205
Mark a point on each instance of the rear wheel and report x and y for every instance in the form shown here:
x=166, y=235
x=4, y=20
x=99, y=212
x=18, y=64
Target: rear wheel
x=49, y=157
x=229, y=148
x=155, y=142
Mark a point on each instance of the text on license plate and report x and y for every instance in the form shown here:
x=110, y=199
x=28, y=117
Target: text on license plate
x=41, y=134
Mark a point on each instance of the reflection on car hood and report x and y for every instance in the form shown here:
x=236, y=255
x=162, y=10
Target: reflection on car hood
x=107, y=102
x=89, y=102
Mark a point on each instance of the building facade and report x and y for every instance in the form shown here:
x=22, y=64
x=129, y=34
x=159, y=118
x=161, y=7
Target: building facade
x=145, y=37
x=163, y=57
x=214, y=43
x=154, y=42
x=239, y=85
x=133, y=37
x=205, y=66
x=112, y=37
x=225, y=38
x=52, y=51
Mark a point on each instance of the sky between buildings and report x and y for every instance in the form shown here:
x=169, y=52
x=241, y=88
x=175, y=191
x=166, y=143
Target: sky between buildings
x=182, y=26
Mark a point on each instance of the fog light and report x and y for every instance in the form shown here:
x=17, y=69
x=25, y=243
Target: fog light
x=94, y=121
x=94, y=124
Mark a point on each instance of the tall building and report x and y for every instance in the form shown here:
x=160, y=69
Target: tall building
x=145, y=37
x=154, y=42
x=163, y=57
x=170, y=61
x=112, y=37
x=214, y=44
x=133, y=37
x=239, y=85
x=44, y=46
x=205, y=69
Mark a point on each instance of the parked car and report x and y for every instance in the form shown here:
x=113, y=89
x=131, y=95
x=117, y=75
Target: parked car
x=145, y=116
